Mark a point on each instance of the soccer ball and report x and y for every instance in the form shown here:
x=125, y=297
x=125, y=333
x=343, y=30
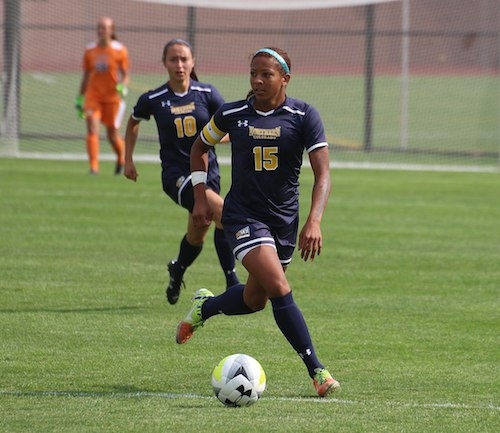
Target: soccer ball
x=238, y=380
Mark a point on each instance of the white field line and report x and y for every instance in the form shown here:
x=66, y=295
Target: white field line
x=174, y=396
x=224, y=160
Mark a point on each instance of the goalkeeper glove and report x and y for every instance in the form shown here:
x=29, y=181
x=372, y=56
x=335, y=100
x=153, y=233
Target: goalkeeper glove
x=79, y=101
x=122, y=89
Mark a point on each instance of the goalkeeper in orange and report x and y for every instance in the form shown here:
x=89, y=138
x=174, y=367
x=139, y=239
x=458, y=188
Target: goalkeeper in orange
x=102, y=89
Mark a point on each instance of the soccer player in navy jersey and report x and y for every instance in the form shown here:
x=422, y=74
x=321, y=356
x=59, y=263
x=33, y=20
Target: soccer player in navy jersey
x=269, y=132
x=181, y=107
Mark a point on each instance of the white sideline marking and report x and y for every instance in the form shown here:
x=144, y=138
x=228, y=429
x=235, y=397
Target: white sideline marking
x=224, y=160
x=45, y=78
x=172, y=396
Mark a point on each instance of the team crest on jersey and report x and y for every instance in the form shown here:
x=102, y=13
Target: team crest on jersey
x=102, y=63
x=263, y=133
x=243, y=233
x=183, y=109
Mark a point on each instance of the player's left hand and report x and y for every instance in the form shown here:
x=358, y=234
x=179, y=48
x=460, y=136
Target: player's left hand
x=310, y=241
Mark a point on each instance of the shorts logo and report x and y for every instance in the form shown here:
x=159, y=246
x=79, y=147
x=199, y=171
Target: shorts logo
x=243, y=233
x=180, y=181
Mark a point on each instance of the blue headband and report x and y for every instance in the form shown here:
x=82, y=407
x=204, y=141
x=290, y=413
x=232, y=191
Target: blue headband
x=280, y=59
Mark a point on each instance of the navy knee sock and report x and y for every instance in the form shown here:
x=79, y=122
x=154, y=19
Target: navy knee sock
x=226, y=257
x=230, y=303
x=291, y=322
x=187, y=255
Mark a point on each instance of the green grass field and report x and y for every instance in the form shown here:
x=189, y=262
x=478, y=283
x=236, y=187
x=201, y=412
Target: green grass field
x=403, y=306
x=452, y=119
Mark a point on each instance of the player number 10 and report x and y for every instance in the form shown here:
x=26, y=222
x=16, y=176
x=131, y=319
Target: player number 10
x=185, y=126
x=265, y=158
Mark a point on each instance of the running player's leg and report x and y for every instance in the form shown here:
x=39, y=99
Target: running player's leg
x=93, y=119
x=92, y=145
x=189, y=249
x=222, y=246
x=112, y=116
x=263, y=264
x=206, y=305
x=257, y=250
x=177, y=185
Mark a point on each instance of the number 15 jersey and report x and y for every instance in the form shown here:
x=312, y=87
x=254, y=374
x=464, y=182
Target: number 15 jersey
x=266, y=156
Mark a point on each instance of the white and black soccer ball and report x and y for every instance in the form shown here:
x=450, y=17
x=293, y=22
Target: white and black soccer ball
x=238, y=380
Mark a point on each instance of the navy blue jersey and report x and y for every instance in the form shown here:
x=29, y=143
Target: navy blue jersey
x=179, y=120
x=266, y=156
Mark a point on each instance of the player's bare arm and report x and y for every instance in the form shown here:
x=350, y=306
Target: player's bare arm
x=310, y=237
x=202, y=212
x=131, y=134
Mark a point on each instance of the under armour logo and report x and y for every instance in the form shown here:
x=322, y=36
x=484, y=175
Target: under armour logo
x=242, y=123
x=308, y=352
x=165, y=104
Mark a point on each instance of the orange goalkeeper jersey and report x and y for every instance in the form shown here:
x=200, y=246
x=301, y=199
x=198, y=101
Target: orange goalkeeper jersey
x=104, y=65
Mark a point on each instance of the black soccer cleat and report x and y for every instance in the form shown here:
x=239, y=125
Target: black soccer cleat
x=174, y=285
x=118, y=168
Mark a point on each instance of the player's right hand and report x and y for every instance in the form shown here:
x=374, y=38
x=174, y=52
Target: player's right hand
x=130, y=172
x=79, y=102
x=202, y=213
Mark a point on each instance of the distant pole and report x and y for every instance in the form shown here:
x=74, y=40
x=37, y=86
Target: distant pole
x=369, y=59
x=191, y=26
x=497, y=65
x=405, y=75
x=9, y=132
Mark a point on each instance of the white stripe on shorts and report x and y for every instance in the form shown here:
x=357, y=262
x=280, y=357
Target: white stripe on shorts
x=242, y=250
x=181, y=188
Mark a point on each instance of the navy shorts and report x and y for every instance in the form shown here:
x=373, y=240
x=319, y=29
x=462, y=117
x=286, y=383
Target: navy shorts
x=246, y=233
x=179, y=188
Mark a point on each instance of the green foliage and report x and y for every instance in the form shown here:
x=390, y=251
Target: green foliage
x=402, y=306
